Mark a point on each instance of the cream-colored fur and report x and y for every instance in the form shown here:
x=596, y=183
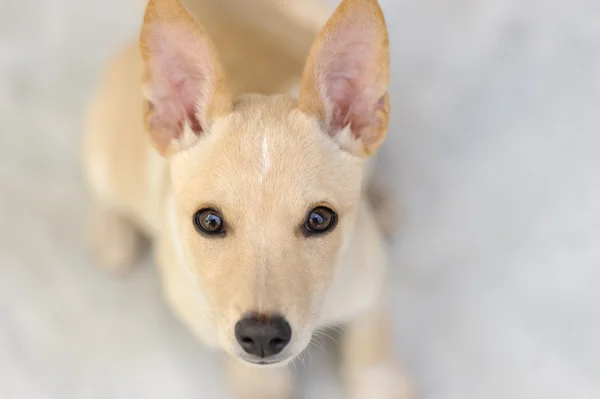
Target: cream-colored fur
x=264, y=160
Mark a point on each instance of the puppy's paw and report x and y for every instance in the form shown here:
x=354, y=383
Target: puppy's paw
x=115, y=241
x=379, y=382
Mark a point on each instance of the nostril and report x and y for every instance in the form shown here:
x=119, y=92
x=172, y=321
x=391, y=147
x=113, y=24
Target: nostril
x=277, y=344
x=247, y=340
x=247, y=343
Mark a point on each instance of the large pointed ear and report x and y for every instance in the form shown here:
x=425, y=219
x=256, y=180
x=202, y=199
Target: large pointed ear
x=184, y=82
x=346, y=77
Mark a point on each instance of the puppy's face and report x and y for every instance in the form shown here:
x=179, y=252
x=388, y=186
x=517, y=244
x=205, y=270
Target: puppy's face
x=264, y=204
x=265, y=188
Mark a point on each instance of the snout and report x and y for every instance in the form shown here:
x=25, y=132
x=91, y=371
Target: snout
x=263, y=336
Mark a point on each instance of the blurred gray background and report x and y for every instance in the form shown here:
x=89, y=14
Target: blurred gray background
x=493, y=151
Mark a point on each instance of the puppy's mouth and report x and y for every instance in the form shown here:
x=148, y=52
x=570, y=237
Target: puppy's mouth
x=280, y=360
x=266, y=362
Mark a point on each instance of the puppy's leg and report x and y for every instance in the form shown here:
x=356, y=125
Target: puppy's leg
x=115, y=241
x=381, y=199
x=260, y=383
x=368, y=366
x=384, y=206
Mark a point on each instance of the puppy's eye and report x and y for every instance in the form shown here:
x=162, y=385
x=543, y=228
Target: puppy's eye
x=320, y=220
x=208, y=221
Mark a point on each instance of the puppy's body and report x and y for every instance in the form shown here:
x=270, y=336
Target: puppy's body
x=139, y=193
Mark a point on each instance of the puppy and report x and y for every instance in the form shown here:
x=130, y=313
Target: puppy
x=255, y=203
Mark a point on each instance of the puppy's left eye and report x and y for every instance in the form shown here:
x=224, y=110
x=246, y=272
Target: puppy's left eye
x=320, y=220
x=208, y=221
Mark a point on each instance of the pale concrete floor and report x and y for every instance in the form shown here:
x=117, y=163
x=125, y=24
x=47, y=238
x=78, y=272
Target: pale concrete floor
x=494, y=152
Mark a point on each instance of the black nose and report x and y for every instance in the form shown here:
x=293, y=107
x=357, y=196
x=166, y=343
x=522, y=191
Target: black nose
x=263, y=336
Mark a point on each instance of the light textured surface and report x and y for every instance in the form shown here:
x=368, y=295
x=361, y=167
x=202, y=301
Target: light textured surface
x=494, y=151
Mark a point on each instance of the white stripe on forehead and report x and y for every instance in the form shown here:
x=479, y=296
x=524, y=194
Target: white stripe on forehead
x=265, y=160
x=265, y=164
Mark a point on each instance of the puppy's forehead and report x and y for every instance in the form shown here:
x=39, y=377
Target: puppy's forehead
x=275, y=120
x=266, y=147
x=268, y=139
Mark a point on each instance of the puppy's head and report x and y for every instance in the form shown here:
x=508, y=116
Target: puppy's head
x=265, y=188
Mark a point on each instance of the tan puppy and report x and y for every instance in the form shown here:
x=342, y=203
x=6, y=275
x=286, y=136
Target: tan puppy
x=262, y=229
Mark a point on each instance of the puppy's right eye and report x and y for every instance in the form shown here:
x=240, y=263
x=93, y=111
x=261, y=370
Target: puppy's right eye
x=320, y=220
x=208, y=221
